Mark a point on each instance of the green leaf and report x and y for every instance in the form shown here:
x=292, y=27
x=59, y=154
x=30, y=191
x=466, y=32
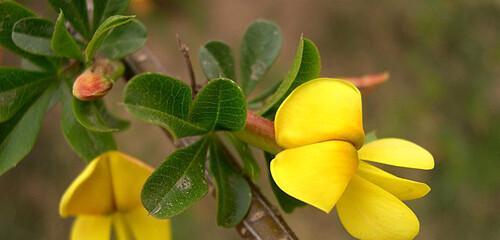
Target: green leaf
x=260, y=47
x=86, y=143
x=306, y=66
x=63, y=43
x=177, y=183
x=233, y=191
x=18, y=135
x=106, y=8
x=286, y=202
x=76, y=13
x=250, y=166
x=10, y=13
x=94, y=116
x=220, y=105
x=217, y=60
x=33, y=35
x=102, y=32
x=124, y=40
x=19, y=87
x=161, y=100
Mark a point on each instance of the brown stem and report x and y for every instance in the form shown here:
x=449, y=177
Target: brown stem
x=185, y=52
x=263, y=221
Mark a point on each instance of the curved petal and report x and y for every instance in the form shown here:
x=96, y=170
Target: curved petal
x=316, y=174
x=113, y=181
x=403, y=189
x=147, y=227
x=370, y=213
x=91, y=227
x=320, y=110
x=90, y=193
x=129, y=174
x=397, y=152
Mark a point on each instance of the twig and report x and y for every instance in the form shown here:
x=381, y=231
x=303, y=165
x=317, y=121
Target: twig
x=185, y=52
x=366, y=83
x=263, y=221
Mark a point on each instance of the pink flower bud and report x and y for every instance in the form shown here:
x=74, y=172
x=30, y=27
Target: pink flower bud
x=91, y=85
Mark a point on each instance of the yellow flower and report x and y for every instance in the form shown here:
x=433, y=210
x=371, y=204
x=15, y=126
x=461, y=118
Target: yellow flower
x=325, y=162
x=105, y=199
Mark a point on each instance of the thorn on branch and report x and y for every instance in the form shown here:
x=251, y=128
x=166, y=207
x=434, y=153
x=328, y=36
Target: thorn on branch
x=185, y=52
x=366, y=83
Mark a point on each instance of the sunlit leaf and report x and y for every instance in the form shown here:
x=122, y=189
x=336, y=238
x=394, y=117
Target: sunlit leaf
x=161, y=100
x=18, y=135
x=94, y=116
x=124, y=40
x=75, y=12
x=102, y=32
x=217, y=60
x=233, y=191
x=306, y=66
x=220, y=105
x=19, y=87
x=177, y=183
x=10, y=13
x=63, y=43
x=260, y=47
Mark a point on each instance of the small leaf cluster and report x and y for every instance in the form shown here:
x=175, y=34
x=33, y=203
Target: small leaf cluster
x=53, y=54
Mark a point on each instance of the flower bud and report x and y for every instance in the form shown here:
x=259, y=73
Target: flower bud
x=91, y=85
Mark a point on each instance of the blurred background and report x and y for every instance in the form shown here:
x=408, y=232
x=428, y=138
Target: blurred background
x=444, y=61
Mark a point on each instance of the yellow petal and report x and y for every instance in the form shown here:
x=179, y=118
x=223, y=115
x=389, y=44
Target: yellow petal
x=319, y=110
x=316, y=174
x=397, y=152
x=403, y=189
x=111, y=182
x=129, y=174
x=370, y=213
x=92, y=227
x=146, y=227
x=91, y=192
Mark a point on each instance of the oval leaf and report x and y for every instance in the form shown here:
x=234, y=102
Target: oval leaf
x=161, y=100
x=220, y=105
x=217, y=60
x=124, y=40
x=33, y=35
x=19, y=87
x=233, y=191
x=177, y=183
x=94, y=116
x=18, y=135
x=306, y=66
x=102, y=32
x=63, y=43
x=260, y=47
x=250, y=165
x=10, y=13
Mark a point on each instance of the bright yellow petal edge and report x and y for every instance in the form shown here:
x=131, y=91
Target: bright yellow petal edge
x=320, y=110
x=370, y=213
x=397, y=152
x=106, y=197
x=317, y=173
